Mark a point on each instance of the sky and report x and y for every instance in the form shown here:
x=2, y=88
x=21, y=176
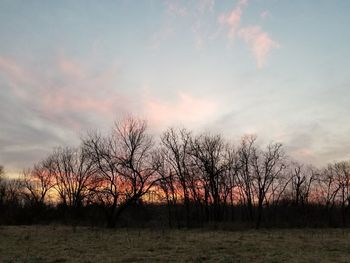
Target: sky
x=277, y=69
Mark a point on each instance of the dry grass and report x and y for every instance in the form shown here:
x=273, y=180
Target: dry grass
x=67, y=244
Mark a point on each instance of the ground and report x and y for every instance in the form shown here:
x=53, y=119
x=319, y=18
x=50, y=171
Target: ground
x=84, y=244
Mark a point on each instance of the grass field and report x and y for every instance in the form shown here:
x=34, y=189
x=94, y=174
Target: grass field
x=67, y=244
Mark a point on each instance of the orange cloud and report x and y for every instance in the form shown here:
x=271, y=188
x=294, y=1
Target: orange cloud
x=260, y=43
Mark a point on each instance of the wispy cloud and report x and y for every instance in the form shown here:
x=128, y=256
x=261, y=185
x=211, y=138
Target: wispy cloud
x=42, y=108
x=178, y=12
x=260, y=43
x=175, y=9
x=258, y=40
x=232, y=19
x=71, y=98
x=206, y=5
x=72, y=90
x=71, y=68
x=161, y=36
x=15, y=76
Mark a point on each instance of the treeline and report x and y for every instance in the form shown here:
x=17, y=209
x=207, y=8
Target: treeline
x=179, y=180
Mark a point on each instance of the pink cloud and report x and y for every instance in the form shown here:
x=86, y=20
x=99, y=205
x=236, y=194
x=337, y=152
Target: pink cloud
x=57, y=101
x=258, y=40
x=260, y=43
x=72, y=94
x=83, y=91
x=16, y=76
x=186, y=110
x=10, y=68
x=233, y=19
x=81, y=95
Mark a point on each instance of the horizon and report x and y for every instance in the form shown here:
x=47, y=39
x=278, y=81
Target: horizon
x=275, y=69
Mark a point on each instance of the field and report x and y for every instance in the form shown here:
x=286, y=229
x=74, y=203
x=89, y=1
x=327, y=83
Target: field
x=83, y=244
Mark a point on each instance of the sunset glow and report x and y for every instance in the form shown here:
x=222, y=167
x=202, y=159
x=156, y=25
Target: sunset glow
x=277, y=69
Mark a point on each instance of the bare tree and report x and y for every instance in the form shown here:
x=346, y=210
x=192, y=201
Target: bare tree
x=2, y=186
x=10, y=190
x=135, y=158
x=231, y=175
x=200, y=178
x=107, y=192
x=245, y=174
x=342, y=171
x=267, y=167
x=329, y=185
x=74, y=175
x=166, y=184
x=278, y=190
x=301, y=182
x=13, y=192
x=37, y=182
x=208, y=152
x=175, y=147
x=125, y=169
x=328, y=189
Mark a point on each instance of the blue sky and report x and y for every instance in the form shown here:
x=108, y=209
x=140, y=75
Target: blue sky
x=278, y=69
